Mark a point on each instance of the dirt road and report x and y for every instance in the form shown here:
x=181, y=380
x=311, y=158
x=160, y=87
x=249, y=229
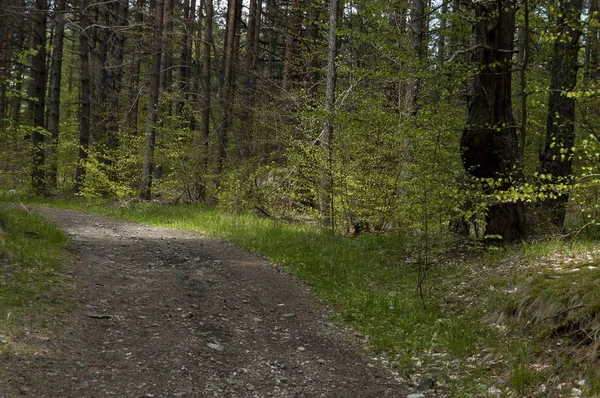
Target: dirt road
x=166, y=313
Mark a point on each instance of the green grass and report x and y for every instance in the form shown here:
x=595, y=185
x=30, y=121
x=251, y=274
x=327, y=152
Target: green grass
x=31, y=252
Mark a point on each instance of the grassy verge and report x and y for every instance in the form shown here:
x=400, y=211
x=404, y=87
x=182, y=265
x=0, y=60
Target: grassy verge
x=31, y=252
x=476, y=331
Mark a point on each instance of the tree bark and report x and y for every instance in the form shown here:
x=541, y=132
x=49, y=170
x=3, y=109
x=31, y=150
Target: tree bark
x=592, y=45
x=54, y=93
x=249, y=75
x=418, y=26
x=227, y=87
x=153, y=100
x=86, y=96
x=133, y=94
x=6, y=35
x=115, y=82
x=489, y=143
x=290, y=41
x=37, y=89
x=185, y=61
x=205, y=100
x=556, y=160
x=327, y=208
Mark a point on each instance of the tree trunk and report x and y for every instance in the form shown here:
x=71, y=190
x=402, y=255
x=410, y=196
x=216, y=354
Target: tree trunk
x=86, y=96
x=592, y=45
x=153, y=100
x=38, y=94
x=117, y=51
x=134, y=88
x=185, y=61
x=556, y=161
x=100, y=91
x=418, y=24
x=167, y=50
x=205, y=101
x=489, y=143
x=6, y=33
x=227, y=84
x=249, y=75
x=54, y=94
x=327, y=208
x=290, y=41
x=524, y=61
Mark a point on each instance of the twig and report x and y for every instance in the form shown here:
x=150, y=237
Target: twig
x=563, y=312
x=25, y=208
x=99, y=316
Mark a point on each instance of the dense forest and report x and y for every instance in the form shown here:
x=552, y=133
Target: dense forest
x=478, y=117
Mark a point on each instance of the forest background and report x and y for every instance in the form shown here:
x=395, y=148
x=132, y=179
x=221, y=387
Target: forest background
x=449, y=122
x=374, y=115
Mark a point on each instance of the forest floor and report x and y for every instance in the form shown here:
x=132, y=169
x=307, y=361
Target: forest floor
x=155, y=312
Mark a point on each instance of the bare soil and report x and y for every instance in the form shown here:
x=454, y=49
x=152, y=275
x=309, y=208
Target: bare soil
x=165, y=313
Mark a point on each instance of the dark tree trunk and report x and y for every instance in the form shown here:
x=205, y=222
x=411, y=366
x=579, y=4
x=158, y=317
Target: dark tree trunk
x=167, y=51
x=328, y=130
x=205, y=101
x=418, y=26
x=54, y=94
x=592, y=45
x=86, y=96
x=38, y=93
x=134, y=88
x=249, y=75
x=100, y=91
x=556, y=160
x=227, y=87
x=153, y=100
x=290, y=43
x=489, y=143
x=185, y=61
x=115, y=81
x=6, y=34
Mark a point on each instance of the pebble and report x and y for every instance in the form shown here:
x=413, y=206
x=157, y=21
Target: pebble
x=216, y=346
x=415, y=396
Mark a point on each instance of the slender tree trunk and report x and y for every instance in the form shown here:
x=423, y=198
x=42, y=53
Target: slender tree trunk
x=167, y=50
x=185, y=62
x=592, y=44
x=6, y=42
x=524, y=58
x=54, y=94
x=101, y=89
x=227, y=85
x=38, y=93
x=489, y=143
x=117, y=50
x=290, y=41
x=556, y=160
x=153, y=100
x=86, y=96
x=327, y=208
x=205, y=100
x=442, y=37
x=249, y=75
x=134, y=88
x=418, y=26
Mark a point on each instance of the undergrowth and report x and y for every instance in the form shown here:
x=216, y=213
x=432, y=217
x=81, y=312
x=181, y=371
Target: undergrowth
x=31, y=252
